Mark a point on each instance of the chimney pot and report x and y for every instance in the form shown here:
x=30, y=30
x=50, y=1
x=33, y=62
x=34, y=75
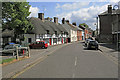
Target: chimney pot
x=41, y=16
x=74, y=23
x=56, y=20
x=110, y=9
x=67, y=21
x=63, y=21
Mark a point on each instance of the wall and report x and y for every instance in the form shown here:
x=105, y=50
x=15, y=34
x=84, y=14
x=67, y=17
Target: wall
x=79, y=35
x=73, y=35
x=32, y=36
x=105, y=29
x=105, y=24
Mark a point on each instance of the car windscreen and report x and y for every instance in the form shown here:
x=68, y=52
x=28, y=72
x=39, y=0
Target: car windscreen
x=9, y=47
x=93, y=42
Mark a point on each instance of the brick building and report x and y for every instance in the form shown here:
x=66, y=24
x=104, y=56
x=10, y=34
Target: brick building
x=106, y=20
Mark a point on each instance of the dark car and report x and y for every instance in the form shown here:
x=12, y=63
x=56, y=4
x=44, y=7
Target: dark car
x=11, y=49
x=39, y=44
x=92, y=44
x=86, y=41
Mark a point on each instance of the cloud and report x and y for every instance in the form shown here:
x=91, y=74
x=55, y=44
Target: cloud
x=84, y=15
x=34, y=11
x=75, y=5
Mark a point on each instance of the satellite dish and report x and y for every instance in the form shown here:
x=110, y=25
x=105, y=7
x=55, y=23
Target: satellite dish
x=115, y=7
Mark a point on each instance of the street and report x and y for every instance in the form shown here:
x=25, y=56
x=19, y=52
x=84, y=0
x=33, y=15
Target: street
x=73, y=61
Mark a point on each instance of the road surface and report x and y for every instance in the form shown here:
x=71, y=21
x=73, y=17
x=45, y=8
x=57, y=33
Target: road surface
x=73, y=61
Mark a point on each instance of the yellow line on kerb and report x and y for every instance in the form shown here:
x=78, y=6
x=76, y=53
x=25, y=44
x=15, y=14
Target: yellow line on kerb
x=16, y=75
x=109, y=57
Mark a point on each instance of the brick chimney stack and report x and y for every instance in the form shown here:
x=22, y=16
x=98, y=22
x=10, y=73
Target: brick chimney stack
x=74, y=23
x=109, y=9
x=63, y=21
x=56, y=20
x=67, y=21
x=41, y=16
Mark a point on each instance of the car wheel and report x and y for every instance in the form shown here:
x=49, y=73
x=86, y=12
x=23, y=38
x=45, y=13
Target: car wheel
x=43, y=47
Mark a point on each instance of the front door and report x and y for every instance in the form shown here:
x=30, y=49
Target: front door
x=50, y=41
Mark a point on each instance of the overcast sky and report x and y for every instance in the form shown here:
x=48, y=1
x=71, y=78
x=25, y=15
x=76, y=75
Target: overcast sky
x=79, y=12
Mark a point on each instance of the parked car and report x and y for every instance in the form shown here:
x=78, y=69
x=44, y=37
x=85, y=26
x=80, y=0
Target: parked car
x=92, y=44
x=11, y=48
x=39, y=44
x=86, y=41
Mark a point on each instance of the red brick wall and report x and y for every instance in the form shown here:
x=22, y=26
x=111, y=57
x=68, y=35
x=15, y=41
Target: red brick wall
x=86, y=33
x=79, y=35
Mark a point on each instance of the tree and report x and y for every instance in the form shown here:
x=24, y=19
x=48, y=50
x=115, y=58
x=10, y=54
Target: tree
x=15, y=17
x=85, y=25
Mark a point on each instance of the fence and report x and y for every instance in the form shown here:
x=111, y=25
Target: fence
x=24, y=50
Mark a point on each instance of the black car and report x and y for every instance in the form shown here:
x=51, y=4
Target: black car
x=92, y=44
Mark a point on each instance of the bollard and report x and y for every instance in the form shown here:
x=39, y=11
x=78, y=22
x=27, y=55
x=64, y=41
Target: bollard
x=28, y=52
x=16, y=52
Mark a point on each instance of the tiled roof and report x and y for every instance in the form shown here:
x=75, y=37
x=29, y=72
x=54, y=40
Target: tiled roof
x=67, y=27
x=61, y=28
x=53, y=26
x=39, y=26
x=113, y=12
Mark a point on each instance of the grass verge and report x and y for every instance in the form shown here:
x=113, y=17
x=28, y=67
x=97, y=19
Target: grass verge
x=7, y=60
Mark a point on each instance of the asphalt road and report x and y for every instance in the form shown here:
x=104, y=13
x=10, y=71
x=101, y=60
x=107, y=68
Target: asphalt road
x=73, y=61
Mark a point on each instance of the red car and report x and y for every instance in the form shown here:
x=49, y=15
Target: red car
x=39, y=44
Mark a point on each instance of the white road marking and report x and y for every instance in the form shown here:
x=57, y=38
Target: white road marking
x=75, y=61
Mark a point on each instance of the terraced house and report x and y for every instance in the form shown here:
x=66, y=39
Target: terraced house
x=44, y=29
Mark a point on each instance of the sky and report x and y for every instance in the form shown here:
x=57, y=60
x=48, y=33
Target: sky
x=79, y=12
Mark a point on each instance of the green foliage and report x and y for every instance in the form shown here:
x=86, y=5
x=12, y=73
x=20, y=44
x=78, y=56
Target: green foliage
x=15, y=16
x=85, y=25
x=7, y=60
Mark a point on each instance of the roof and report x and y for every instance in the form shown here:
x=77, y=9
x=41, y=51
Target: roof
x=113, y=12
x=82, y=27
x=72, y=26
x=7, y=33
x=78, y=28
x=39, y=26
x=61, y=28
x=53, y=26
x=67, y=27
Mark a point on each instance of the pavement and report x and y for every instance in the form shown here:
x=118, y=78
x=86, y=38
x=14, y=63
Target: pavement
x=110, y=50
x=64, y=61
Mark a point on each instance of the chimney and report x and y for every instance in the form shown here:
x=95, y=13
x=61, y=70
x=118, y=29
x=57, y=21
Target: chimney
x=63, y=21
x=74, y=23
x=119, y=4
x=41, y=16
x=109, y=9
x=67, y=21
x=56, y=20
x=48, y=19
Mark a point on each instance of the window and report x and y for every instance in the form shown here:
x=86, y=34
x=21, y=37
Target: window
x=29, y=40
